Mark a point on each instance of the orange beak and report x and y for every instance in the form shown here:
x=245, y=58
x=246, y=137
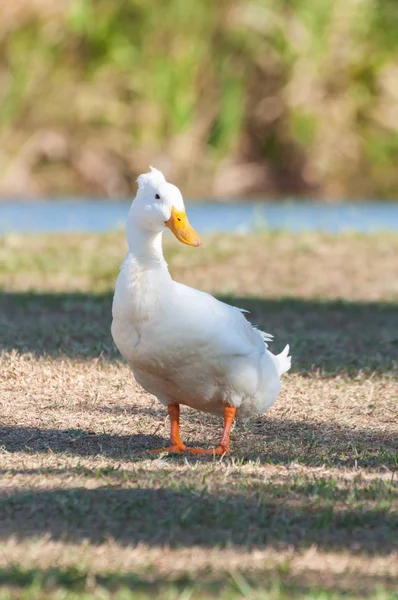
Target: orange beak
x=179, y=225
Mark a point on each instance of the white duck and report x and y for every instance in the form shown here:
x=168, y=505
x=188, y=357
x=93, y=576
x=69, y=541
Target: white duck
x=183, y=345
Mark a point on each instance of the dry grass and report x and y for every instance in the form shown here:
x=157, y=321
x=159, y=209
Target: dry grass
x=306, y=506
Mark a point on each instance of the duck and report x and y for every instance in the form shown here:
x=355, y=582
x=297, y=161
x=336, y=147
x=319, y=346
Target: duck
x=183, y=345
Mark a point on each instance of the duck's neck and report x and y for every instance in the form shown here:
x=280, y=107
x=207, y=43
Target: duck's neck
x=146, y=248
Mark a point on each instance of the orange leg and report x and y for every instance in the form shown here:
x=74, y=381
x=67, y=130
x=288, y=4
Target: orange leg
x=223, y=445
x=176, y=444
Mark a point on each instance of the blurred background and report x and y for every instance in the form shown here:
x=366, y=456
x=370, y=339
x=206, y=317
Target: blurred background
x=267, y=98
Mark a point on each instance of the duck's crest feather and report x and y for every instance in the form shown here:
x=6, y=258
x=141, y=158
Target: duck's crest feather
x=153, y=177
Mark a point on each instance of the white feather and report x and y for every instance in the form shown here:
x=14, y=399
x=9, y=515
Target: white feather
x=154, y=177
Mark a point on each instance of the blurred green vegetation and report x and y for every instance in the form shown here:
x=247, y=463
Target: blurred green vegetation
x=251, y=96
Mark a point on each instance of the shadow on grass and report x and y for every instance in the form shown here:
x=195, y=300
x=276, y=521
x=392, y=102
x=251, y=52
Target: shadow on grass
x=179, y=516
x=326, y=335
x=275, y=442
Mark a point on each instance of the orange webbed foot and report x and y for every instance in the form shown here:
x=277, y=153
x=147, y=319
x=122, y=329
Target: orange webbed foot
x=219, y=451
x=173, y=448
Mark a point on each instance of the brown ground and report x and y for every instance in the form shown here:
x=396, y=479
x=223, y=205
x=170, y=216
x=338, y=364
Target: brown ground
x=308, y=499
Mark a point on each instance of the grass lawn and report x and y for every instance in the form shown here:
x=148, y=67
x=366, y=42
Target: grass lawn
x=306, y=506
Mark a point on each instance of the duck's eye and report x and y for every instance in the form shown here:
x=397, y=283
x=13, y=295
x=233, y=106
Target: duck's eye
x=178, y=219
x=157, y=197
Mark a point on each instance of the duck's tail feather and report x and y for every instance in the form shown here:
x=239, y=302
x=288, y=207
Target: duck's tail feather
x=283, y=360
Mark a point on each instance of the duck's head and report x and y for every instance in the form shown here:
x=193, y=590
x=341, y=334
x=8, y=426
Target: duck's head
x=159, y=204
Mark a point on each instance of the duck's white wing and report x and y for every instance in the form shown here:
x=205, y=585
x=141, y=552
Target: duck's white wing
x=229, y=352
x=267, y=337
x=218, y=324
